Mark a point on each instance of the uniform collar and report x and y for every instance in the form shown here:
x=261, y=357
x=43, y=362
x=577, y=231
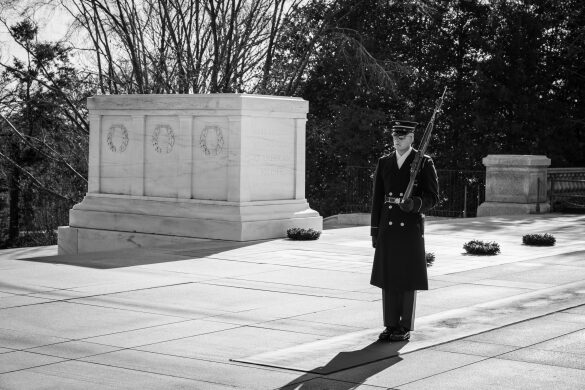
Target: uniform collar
x=403, y=156
x=401, y=159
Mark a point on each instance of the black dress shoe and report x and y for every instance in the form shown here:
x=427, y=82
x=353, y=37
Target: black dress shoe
x=400, y=334
x=387, y=333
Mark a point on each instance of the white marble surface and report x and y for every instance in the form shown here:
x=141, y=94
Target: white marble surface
x=210, y=149
x=514, y=178
x=514, y=184
x=92, y=240
x=218, y=147
x=144, y=231
x=268, y=161
x=209, y=166
x=164, y=153
x=488, y=209
x=230, y=103
x=516, y=160
x=215, y=220
x=192, y=208
x=120, y=147
x=67, y=240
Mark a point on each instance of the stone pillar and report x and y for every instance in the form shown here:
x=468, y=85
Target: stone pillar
x=176, y=168
x=512, y=185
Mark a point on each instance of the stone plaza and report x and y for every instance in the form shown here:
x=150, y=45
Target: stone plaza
x=287, y=314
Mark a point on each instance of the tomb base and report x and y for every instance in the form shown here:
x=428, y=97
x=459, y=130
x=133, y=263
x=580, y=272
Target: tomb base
x=490, y=209
x=104, y=221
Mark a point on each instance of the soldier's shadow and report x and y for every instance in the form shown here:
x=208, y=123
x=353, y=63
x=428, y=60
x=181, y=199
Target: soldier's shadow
x=347, y=370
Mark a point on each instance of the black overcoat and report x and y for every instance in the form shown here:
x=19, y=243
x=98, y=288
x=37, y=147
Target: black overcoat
x=399, y=260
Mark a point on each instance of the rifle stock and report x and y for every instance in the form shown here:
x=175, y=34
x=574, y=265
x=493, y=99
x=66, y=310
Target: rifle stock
x=424, y=144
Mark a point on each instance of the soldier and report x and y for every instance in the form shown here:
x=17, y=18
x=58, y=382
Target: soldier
x=397, y=231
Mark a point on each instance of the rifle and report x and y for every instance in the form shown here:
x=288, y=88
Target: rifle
x=424, y=144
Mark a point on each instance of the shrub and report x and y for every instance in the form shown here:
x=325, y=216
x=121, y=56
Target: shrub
x=430, y=258
x=539, y=239
x=476, y=247
x=303, y=234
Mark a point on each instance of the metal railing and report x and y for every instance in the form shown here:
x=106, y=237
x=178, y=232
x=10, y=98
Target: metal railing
x=460, y=191
x=358, y=194
x=566, y=189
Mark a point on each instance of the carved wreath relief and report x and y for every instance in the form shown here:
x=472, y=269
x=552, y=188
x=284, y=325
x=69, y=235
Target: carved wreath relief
x=163, y=139
x=211, y=140
x=117, y=138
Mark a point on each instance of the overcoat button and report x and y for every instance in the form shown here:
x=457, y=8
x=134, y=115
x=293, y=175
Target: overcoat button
x=390, y=194
x=389, y=207
x=401, y=223
x=390, y=223
x=401, y=194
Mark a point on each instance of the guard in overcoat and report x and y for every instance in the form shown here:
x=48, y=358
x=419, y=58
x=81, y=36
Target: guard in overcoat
x=397, y=231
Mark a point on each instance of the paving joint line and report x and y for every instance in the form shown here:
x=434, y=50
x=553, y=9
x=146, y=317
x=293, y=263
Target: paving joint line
x=134, y=348
x=288, y=265
x=116, y=349
x=143, y=311
x=496, y=356
x=41, y=365
x=288, y=292
x=282, y=318
x=68, y=300
x=442, y=343
x=498, y=328
x=85, y=339
x=154, y=373
x=506, y=263
x=290, y=284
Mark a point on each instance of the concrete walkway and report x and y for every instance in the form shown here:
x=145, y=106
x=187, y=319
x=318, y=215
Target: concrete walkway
x=298, y=315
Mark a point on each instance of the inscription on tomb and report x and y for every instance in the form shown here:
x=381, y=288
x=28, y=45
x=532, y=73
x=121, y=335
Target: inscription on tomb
x=271, y=157
x=163, y=139
x=274, y=171
x=117, y=138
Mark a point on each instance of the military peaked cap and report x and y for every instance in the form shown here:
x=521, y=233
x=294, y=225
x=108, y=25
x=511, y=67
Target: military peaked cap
x=403, y=127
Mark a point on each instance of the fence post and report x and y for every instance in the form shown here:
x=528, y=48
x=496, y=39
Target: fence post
x=538, y=195
x=478, y=197
x=552, y=193
x=465, y=201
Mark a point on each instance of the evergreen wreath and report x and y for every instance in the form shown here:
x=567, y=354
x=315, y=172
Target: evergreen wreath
x=303, y=234
x=110, y=138
x=477, y=247
x=430, y=258
x=169, y=142
x=209, y=149
x=539, y=239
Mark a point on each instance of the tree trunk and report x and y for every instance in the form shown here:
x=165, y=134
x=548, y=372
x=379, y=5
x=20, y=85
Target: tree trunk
x=13, y=182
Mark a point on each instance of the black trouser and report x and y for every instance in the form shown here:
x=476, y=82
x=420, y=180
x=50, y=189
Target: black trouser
x=398, y=307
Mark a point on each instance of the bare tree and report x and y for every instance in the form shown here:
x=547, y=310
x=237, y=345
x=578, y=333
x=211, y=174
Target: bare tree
x=205, y=46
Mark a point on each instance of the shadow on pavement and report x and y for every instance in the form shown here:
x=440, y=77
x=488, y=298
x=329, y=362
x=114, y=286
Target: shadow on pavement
x=143, y=256
x=497, y=223
x=349, y=368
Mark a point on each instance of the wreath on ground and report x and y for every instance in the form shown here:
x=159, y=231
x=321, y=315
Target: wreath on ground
x=539, y=239
x=477, y=247
x=303, y=234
